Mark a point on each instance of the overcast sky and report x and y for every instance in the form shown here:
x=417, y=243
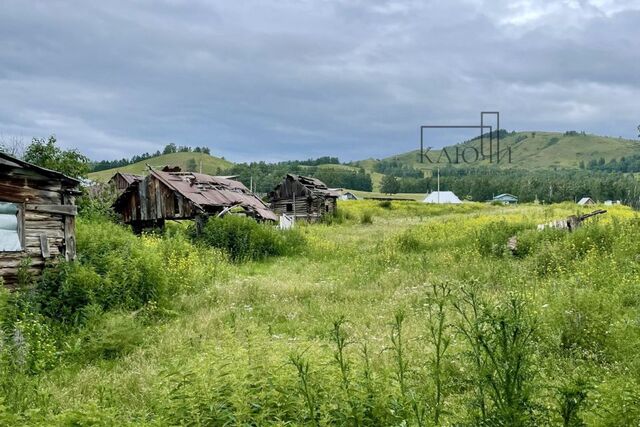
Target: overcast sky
x=284, y=79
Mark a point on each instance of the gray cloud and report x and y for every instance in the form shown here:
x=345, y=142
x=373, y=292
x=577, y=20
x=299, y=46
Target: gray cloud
x=278, y=80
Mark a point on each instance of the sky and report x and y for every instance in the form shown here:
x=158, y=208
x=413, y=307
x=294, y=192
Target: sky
x=275, y=80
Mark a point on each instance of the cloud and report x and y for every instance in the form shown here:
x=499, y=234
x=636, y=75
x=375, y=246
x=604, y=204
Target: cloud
x=258, y=80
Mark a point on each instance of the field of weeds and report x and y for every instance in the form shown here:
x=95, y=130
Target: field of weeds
x=389, y=313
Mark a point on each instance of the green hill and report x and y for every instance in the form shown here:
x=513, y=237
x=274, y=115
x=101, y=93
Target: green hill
x=529, y=150
x=210, y=165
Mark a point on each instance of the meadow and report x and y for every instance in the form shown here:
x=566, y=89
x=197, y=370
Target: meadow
x=389, y=313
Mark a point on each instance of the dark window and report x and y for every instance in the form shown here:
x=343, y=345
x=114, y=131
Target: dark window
x=326, y=208
x=289, y=207
x=10, y=227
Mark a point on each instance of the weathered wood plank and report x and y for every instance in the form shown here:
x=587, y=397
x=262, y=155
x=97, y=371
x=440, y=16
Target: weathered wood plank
x=56, y=209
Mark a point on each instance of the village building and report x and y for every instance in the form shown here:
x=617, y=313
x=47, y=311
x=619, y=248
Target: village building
x=303, y=198
x=442, y=197
x=505, y=198
x=37, y=217
x=586, y=201
x=123, y=180
x=162, y=196
x=348, y=195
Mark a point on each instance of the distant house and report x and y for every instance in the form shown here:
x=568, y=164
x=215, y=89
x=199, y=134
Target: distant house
x=586, y=201
x=505, y=198
x=37, y=217
x=303, y=197
x=442, y=197
x=122, y=180
x=164, y=196
x=348, y=195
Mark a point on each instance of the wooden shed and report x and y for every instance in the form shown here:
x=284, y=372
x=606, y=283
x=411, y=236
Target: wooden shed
x=164, y=196
x=123, y=180
x=37, y=217
x=303, y=197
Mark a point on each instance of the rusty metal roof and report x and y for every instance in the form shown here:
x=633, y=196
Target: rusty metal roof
x=314, y=185
x=129, y=177
x=206, y=190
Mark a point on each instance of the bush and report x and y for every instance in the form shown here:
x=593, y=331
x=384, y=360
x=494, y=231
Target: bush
x=366, y=218
x=244, y=239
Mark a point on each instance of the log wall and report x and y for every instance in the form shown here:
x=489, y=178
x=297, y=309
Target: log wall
x=46, y=219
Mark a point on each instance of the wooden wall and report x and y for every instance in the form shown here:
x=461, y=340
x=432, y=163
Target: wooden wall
x=47, y=214
x=151, y=200
x=307, y=207
x=119, y=182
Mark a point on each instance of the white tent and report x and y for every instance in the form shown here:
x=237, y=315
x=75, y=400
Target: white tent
x=441, y=197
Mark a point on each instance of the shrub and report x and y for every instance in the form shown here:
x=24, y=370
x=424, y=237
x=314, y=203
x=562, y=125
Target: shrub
x=244, y=239
x=366, y=218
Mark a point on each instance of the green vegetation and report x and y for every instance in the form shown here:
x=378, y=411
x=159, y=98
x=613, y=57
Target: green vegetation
x=47, y=154
x=529, y=150
x=483, y=183
x=416, y=315
x=244, y=239
x=266, y=176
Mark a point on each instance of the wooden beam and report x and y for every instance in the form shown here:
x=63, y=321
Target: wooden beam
x=56, y=209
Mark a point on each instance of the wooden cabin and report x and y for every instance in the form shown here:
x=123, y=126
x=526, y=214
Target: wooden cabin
x=123, y=180
x=303, y=197
x=162, y=196
x=37, y=217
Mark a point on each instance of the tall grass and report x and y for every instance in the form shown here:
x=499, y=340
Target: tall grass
x=407, y=321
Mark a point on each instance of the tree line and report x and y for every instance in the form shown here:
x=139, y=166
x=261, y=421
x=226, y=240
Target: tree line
x=483, y=183
x=168, y=149
x=265, y=176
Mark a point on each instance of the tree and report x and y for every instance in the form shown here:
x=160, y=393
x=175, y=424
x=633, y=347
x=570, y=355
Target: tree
x=206, y=150
x=390, y=184
x=47, y=154
x=192, y=166
x=170, y=148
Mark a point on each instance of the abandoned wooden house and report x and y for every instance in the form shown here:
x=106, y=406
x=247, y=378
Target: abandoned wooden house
x=303, y=198
x=123, y=180
x=37, y=217
x=164, y=196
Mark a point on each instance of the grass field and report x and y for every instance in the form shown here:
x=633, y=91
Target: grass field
x=395, y=314
x=210, y=165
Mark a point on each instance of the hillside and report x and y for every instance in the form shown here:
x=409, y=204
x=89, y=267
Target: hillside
x=210, y=165
x=529, y=150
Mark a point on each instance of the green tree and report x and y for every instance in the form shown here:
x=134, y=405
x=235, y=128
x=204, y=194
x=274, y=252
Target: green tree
x=192, y=166
x=47, y=154
x=390, y=184
x=170, y=148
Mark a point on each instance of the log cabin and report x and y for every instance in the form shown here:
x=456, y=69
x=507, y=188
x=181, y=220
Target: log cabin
x=303, y=198
x=173, y=195
x=37, y=217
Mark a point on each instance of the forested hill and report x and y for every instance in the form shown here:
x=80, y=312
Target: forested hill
x=529, y=151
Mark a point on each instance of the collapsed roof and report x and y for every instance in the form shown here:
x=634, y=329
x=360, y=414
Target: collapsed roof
x=208, y=194
x=314, y=185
